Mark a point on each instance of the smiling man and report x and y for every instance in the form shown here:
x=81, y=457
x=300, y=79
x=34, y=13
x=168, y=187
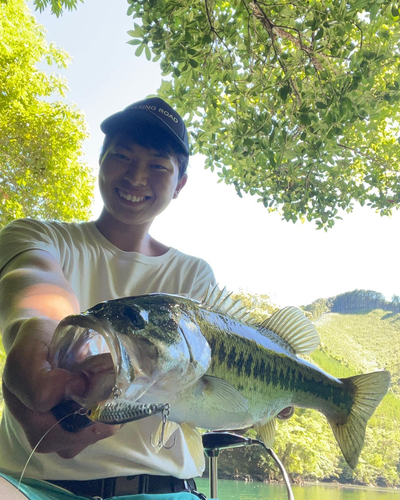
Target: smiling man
x=52, y=269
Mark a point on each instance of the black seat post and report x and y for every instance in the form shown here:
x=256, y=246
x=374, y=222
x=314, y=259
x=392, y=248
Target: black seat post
x=213, y=471
x=213, y=443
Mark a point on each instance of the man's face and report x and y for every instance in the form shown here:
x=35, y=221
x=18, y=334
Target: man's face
x=137, y=184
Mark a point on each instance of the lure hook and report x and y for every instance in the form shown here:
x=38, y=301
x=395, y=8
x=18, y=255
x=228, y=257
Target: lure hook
x=164, y=418
x=116, y=392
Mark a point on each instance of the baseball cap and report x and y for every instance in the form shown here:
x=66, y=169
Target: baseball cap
x=152, y=110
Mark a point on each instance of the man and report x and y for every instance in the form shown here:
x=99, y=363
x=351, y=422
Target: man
x=50, y=270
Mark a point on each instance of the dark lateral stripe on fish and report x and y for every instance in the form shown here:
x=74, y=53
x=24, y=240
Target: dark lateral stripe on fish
x=231, y=358
x=277, y=371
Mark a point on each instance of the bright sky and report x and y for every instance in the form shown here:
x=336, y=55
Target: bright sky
x=247, y=247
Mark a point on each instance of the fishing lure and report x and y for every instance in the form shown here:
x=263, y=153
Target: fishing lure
x=121, y=411
x=113, y=411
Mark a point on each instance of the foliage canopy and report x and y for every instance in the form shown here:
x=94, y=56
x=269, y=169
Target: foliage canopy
x=40, y=139
x=295, y=102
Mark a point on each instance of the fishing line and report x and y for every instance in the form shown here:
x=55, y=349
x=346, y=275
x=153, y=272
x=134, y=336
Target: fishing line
x=214, y=442
x=38, y=443
x=281, y=468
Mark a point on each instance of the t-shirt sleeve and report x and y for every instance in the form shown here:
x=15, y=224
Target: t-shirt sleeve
x=204, y=278
x=26, y=234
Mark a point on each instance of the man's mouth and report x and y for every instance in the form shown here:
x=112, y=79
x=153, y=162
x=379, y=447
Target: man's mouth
x=130, y=197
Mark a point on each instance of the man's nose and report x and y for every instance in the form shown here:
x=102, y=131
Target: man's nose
x=137, y=175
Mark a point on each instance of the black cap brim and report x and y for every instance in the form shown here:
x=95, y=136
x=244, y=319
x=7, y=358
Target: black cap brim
x=123, y=120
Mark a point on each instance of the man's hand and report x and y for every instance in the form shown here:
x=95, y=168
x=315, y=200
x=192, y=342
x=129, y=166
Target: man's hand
x=31, y=389
x=65, y=444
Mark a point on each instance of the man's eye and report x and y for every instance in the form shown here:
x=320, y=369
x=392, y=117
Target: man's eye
x=159, y=167
x=120, y=156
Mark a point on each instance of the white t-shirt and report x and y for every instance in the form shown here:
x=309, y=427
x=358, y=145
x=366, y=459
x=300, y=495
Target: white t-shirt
x=98, y=271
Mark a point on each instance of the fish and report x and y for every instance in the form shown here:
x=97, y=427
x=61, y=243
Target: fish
x=215, y=368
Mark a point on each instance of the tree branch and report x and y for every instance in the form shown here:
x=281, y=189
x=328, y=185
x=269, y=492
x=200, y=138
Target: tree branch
x=282, y=33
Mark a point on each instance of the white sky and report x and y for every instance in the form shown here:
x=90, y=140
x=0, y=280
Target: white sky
x=247, y=247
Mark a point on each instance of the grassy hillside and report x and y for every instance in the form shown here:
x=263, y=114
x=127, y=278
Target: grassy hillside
x=361, y=342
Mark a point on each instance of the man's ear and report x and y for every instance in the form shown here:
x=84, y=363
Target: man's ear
x=182, y=181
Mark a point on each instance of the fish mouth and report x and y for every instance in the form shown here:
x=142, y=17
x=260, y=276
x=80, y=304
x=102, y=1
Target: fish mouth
x=81, y=343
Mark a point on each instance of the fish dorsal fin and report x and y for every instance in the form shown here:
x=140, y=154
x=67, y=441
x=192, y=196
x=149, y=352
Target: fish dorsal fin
x=158, y=439
x=220, y=301
x=294, y=328
x=221, y=394
x=267, y=432
x=195, y=444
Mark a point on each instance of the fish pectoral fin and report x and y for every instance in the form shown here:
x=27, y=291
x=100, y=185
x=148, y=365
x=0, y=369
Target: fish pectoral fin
x=195, y=444
x=222, y=394
x=267, y=432
x=369, y=390
x=164, y=431
x=137, y=388
x=293, y=327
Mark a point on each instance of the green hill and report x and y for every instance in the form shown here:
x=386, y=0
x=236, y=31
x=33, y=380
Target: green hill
x=360, y=342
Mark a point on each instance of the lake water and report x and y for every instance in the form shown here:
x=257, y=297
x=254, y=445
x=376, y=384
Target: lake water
x=239, y=490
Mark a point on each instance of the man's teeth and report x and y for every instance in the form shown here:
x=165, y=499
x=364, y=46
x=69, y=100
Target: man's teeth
x=130, y=197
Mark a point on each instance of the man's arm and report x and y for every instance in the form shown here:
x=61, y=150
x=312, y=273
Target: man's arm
x=34, y=297
x=32, y=284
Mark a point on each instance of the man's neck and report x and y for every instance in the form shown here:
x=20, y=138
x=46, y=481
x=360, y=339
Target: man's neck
x=130, y=238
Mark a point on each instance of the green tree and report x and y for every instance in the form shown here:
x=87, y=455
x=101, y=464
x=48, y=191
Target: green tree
x=295, y=102
x=40, y=139
x=317, y=308
x=306, y=446
x=378, y=462
x=260, y=306
x=396, y=302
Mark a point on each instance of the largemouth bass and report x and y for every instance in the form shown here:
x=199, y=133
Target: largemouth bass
x=214, y=367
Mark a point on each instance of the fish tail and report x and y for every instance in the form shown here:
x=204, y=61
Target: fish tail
x=368, y=390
